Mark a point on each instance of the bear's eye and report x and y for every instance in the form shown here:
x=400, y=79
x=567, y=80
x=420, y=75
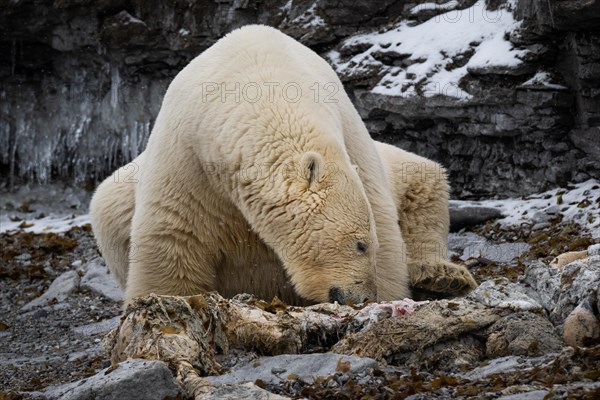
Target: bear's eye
x=361, y=247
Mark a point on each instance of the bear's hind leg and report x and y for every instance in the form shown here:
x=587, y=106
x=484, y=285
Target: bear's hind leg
x=111, y=210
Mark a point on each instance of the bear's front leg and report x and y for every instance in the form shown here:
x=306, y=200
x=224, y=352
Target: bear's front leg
x=424, y=221
x=173, y=252
x=420, y=190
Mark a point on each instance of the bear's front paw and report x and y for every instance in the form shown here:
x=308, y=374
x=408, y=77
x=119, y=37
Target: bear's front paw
x=441, y=277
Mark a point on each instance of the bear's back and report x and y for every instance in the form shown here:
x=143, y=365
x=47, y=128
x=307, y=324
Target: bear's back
x=255, y=54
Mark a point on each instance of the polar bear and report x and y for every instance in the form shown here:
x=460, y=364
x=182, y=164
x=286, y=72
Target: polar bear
x=419, y=188
x=246, y=186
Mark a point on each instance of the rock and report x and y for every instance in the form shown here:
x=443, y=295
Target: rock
x=545, y=284
x=504, y=294
x=526, y=391
x=522, y=69
x=73, y=201
x=245, y=391
x=523, y=333
x=60, y=289
x=578, y=282
x=582, y=327
x=123, y=28
x=532, y=395
x=295, y=366
x=462, y=216
x=468, y=245
x=23, y=257
x=96, y=350
x=502, y=365
x=560, y=15
x=307, y=25
x=499, y=253
x=541, y=225
x=540, y=217
x=98, y=280
x=40, y=313
x=553, y=210
x=594, y=250
x=587, y=140
x=423, y=12
x=98, y=327
x=459, y=242
x=132, y=379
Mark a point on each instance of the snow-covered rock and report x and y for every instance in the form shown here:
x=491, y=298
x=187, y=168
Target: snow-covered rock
x=429, y=51
x=502, y=365
x=295, y=366
x=470, y=245
x=544, y=282
x=60, y=289
x=594, y=250
x=542, y=81
x=504, y=294
x=97, y=328
x=579, y=281
x=97, y=279
x=246, y=391
x=577, y=204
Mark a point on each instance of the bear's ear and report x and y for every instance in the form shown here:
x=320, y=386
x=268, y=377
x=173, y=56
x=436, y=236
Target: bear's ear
x=311, y=166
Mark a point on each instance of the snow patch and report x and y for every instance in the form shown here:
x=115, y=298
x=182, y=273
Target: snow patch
x=579, y=203
x=128, y=19
x=542, y=80
x=308, y=19
x=451, y=5
x=287, y=6
x=431, y=51
x=56, y=224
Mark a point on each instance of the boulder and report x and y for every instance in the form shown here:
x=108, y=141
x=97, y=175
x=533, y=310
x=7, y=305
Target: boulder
x=133, y=379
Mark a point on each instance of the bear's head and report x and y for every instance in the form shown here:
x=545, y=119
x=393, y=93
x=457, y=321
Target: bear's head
x=318, y=220
x=332, y=257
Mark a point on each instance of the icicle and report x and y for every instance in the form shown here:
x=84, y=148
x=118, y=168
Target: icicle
x=115, y=82
x=13, y=58
x=133, y=147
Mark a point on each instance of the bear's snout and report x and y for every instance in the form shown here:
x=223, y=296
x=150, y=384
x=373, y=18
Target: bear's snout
x=344, y=297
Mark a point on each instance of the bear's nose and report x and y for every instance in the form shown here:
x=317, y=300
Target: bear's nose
x=335, y=294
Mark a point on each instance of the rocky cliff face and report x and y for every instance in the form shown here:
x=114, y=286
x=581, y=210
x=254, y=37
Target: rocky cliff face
x=511, y=109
